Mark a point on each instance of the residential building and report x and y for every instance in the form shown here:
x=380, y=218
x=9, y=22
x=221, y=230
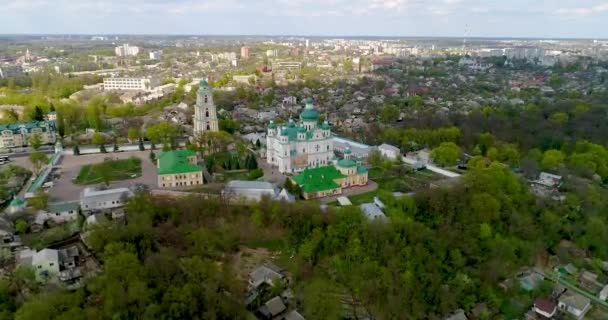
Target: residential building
x=10, y=71
x=294, y=315
x=143, y=84
x=390, y=152
x=245, y=79
x=545, y=308
x=18, y=134
x=604, y=293
x=295, y=147
x=574, y=303
x=92, y=199
x=358, y=150
x=255, y=191
x=372, y=212
x=61, y=212
x=272, y=53
x=244, y=52
x=126, y=50
x=46, y=264
x=272, y=308
x=156, y=55
x=205, y=113
x=286, y=65
x=178, y=168
x=331, y=180
x=266, y=274
x=456, y=315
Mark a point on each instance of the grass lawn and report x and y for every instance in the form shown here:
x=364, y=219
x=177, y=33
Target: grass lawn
x=117, y=170
x=401, y=178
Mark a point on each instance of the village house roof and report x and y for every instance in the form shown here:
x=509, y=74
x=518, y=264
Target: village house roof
x=574, y=300
x=176, y=161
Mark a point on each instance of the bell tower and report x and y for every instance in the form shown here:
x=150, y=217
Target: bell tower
x=205, y=113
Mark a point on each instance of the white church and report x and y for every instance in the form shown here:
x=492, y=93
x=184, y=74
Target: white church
x=297, y=146
x=205, y=113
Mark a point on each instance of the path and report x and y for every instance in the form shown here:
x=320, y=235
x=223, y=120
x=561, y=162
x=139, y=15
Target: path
x=433, y=168
x=352, y=191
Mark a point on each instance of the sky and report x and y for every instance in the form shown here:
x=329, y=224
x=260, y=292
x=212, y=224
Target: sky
x=449, y=18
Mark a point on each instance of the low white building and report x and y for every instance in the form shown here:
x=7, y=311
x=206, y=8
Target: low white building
x=574, y=303
x=254, y=191
x=92, y=199
x=604, y=293
x=46, y=264
x=389, y=151
x=143, y=84
x=61, y=212
x=372, y=212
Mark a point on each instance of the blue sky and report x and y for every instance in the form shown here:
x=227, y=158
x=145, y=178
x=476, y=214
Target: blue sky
x=484, y=18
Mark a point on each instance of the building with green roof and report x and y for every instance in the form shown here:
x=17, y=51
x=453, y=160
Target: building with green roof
x=18, y=134
x=331, y=180
x=295, y=146
x=178, y=168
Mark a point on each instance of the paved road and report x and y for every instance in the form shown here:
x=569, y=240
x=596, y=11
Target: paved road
x=65, y=190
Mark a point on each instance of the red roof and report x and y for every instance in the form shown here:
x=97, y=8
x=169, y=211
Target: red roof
x=544, y=305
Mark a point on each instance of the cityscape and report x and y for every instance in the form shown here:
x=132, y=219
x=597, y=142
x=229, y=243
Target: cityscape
x=210, y=176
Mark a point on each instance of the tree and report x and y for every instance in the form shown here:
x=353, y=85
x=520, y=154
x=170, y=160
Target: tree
x=76, y=150
x=38, y=114
x=35, y=141
x=40, y=200
x=375, y=158
x=446, y=154
x=141, y=145
x=552, y=159
x=152, y=156
x=320, y=302
x=98, y=138
x=163, y=132
x=104, y=170
x=21, y=226
x=102, y=149
x=389, y=114
x=115, y=148
x=133, y=134
x=38, y=160
x=348, y=65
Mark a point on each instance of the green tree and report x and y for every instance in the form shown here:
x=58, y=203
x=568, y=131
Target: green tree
x=320, y=301
x=38, y=160
x=76, y=150
x=163, y=132
x=133, y=134
x=141, y=145
x=35, y=141
x=40, y=200
x=389, y=114
x=21, y=226
x=446, y=154
x=552, y=159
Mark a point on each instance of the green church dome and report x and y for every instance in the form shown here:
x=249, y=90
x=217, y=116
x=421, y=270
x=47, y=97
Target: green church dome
x=203, y=83
x=309, y=114
x=301, y=129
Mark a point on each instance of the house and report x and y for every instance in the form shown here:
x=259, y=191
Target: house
x=545, y=307
x=272, y=308
x=254, y=191
x=548, y=180
x=266, y=274
x=456, y=315
x=61, y=212
x=18, y=134
x=7, y=232
x=46, y=264
x=388, y=151
x=92, y=199
x=294, y=315
x=589, y=281
x=178, y=168
x=372, y=212
x=603, y=295
x=574, y=303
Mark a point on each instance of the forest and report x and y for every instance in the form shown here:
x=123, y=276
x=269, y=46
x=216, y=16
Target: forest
x=443, y=249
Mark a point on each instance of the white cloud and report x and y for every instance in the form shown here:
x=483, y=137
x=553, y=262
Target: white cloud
x=583, y=11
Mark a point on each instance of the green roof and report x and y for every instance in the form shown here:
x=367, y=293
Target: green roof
x=63, y=206
x=361, y=169
x=318, y=179
x=347, y=163
x=271, y=125
x=310, y=101
x=203, y=83
x=16, y=127
x=176, y=161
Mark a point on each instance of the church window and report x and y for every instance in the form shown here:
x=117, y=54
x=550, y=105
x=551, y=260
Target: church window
x=205, y=98
x=206, y=113
x=208, y=128
x=317, y=148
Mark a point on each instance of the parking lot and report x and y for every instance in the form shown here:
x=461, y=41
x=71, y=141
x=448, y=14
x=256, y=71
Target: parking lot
x=69, y=167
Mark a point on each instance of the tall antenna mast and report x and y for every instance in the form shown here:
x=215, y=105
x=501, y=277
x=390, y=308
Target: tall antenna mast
x=464, y=39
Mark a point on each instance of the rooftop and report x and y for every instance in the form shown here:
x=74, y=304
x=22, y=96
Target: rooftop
x=176, y=161
x=318, y=179
x=241, y=184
